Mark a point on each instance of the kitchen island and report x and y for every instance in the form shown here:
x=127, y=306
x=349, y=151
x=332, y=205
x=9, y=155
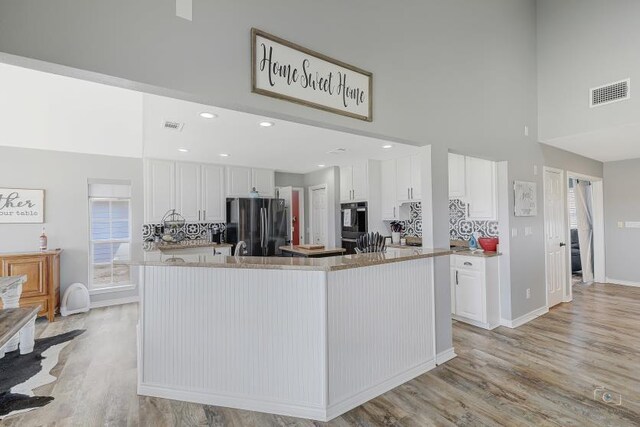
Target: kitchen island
x=305, y=337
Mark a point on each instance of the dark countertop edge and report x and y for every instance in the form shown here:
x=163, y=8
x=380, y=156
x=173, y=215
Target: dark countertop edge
x=468, y=252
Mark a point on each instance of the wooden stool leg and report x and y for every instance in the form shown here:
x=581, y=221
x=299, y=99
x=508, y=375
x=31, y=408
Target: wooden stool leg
x=12, y=344
x=27, y=337
x=11, y=298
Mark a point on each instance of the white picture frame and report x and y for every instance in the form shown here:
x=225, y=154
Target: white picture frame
x=21, y=206
x=525, y=198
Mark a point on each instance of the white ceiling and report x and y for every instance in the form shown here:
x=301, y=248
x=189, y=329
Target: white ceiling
x=605, y=145
x=286, y=147
x=50, y=112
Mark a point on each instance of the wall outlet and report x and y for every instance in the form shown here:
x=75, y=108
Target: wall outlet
x=535, y=169
x=526, y=130
x=620, y=224
x=528, y=293
x=514, y=232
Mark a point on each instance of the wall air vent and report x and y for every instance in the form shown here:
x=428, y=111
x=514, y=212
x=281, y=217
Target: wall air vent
x=168, y=124
x=612, y=92
x=337, y=151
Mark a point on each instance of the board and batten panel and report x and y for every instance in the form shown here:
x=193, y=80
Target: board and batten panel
x=235, y=337
x=380, y=329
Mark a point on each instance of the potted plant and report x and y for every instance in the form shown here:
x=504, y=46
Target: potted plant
x=396, y=232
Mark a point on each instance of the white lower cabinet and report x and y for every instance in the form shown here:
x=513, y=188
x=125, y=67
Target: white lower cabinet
x=475, y=291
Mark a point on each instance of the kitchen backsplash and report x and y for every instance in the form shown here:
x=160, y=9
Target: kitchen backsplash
x=460, y=228
x=192, y=231
x=413, y=226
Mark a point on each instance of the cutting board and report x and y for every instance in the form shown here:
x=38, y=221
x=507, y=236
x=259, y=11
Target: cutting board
x=311, y=246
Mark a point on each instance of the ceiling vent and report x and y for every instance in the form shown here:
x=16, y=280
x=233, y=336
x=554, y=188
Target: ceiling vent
x=337, y=151
x=612, y=92
x=168, y=124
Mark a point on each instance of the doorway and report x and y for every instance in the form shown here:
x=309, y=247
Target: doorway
x=318, y=215
x=554, y=235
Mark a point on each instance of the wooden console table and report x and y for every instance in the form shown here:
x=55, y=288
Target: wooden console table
x=42, y=285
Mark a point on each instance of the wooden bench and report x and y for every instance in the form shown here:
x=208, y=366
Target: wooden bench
x=17, y=328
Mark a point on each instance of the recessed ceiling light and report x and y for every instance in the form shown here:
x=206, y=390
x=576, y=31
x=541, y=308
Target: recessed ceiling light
x=224, y=155
x=183, y=150
x=386, y=147
x=207, y=115
x=266, y=124
x=321, y=166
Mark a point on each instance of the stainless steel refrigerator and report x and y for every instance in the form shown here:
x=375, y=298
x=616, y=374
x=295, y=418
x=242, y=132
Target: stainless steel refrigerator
x=260, y=223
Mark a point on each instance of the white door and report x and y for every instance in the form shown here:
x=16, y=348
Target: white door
x=457, y=184
x=188, y=191
x=360, y=181
x=286, y=194
x=346, y=183
x=238, y=181
x=213, y=199
x=403, y=178
x=159, y=193
x=416, y=177
x=264, y=182
x=388, y=190
x=554, y=234
x=319, y=216
x=480, y=177
x=468, y=294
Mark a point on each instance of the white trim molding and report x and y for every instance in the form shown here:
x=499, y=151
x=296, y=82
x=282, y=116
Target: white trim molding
x=115, y=301
x=525, y=318
x=610, y=281
x=445, y=356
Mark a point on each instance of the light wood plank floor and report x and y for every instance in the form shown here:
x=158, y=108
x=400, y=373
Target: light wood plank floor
x=543, y=373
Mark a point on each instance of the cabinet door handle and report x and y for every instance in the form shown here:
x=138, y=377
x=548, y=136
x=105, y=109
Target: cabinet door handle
x=394, y=212
x=408, y=193
x=199, y=215
x=456, y=277
x=468, y=263
x=411, y=193
x=204, y=215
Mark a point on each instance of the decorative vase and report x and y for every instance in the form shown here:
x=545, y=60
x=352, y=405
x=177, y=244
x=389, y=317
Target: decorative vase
x=395, y=238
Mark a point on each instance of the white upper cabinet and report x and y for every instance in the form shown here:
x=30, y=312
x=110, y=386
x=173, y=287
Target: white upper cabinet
x=416, y=177
x=238, y=181
x=213, y=198
x=361, y=180
x=480, y=189
x=188, y=191
x=264, y=181
x=346, y=183
x=159, y=189
x=241, y=180
x=457, y=183
x=408, y=179
x=388, y=198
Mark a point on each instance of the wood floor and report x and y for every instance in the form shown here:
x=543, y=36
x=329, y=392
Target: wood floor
x=543, y=373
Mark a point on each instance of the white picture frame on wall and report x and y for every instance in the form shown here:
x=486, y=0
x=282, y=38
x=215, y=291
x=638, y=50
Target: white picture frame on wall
x=21, y=206
x=525, y=198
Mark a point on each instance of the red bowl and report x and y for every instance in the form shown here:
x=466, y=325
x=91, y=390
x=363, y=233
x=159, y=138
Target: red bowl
x=489, y=244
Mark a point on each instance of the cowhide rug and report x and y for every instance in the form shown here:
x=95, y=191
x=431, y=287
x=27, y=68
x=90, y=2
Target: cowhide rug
x=21, y=374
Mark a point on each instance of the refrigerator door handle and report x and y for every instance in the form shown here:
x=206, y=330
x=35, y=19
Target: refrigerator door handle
x=261, y=227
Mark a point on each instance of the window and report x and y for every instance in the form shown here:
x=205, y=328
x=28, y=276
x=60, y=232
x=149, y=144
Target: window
x=109, y=234
x=573, y=217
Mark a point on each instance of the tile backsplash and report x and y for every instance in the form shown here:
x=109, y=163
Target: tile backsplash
x=192, y=231
x=413, y=226
x=460, y=228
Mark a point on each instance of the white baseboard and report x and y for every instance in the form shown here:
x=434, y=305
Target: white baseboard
x=488, y=326
x=622, y=282
x=115, y=301
x=525, y=318
x=281, y=408
x=445, y=356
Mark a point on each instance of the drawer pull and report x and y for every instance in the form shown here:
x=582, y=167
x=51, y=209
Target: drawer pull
x=468, y=263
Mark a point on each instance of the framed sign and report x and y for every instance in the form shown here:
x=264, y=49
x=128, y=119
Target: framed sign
x=526, y=198
x=21, y=206
x=284, y=70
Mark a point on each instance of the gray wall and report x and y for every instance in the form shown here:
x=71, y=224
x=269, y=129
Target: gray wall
x=561, y=159
x=64, y=177
x=584, y=44
x=459, y=75
x=621, y=203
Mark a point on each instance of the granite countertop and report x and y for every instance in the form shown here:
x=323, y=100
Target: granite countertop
x=479, y=254
x=305, y=251
x=154, y=257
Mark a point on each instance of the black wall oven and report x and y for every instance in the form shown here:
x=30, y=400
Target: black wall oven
x=354, y=224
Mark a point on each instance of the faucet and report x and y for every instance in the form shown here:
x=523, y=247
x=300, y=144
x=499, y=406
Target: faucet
x=241, y=248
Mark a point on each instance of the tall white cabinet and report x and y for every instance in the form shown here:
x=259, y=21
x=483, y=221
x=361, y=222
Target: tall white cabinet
x=388, y=197
x=408, y=179
x=354, y=182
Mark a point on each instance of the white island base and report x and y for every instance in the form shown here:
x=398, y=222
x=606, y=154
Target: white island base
x=297, y=342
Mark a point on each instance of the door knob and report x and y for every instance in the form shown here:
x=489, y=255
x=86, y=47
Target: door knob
x=563, y=244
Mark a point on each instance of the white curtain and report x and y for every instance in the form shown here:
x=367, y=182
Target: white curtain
x=585, y=228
